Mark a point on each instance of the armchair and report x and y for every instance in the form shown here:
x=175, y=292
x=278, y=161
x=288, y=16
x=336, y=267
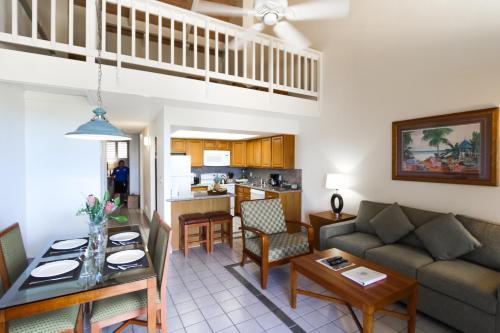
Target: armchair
x=265, y=237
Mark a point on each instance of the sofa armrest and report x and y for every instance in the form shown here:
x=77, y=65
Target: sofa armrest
x=332, y=230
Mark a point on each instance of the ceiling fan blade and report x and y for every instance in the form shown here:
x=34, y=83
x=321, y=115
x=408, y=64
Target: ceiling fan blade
x=248, y=34
x=318, y=10
x=291, y=36
x=219, y=9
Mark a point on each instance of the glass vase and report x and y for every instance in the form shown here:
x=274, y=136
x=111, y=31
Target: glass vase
x=97, y=240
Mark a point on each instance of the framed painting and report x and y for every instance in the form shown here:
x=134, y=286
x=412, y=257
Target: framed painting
x=459, y=148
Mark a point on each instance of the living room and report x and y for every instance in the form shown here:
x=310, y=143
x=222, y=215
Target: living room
x=385, y=62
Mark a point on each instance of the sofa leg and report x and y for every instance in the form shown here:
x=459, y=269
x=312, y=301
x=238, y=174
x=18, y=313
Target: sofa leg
x=264, y=272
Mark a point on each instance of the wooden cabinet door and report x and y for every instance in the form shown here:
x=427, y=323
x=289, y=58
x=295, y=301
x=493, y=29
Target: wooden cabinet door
x=194, y=148
x=210, y=144
x=266, y=153
x=238, y=154
x=177, y=146
x=223, y=145
x=257, y=153
x=250, y=156
x=272, y=195
x=278, y=152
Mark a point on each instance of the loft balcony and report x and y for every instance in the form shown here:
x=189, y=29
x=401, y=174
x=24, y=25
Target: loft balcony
x=155, y=37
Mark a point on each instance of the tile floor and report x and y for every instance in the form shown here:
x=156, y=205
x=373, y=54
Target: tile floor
x=205, y=295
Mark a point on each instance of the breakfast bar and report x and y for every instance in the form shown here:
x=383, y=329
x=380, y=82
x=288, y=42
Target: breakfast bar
x=196, y=202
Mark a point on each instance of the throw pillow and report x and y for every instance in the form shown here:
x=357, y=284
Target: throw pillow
x=446, y=238
x=391, y=224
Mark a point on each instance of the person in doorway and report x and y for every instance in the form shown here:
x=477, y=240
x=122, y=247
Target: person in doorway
x=120, y=175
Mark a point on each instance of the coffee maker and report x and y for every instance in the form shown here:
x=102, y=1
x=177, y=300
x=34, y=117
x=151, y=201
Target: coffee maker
x=276, y=179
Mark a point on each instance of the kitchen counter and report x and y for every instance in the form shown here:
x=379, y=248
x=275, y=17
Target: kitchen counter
x=269, y=188
x=199, y=196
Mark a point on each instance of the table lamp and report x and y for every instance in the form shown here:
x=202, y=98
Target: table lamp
x=336, y=181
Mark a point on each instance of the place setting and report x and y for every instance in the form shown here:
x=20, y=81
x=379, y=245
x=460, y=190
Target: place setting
x=124, y=238
x=125, y=260
x=53, y=272
x=61, y=247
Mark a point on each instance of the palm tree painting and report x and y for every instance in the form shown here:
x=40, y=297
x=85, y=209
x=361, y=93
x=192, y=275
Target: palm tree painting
x=457, y=148
x=447, y=149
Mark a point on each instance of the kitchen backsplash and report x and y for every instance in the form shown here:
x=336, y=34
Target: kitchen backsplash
x=293, y=176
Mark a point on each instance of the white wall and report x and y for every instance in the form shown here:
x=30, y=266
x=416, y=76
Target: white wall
x=394, y=60
x=60, y=172
x=133, y=160
x=12, y=160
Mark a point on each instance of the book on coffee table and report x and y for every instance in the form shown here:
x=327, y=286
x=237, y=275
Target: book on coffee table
x=364, y=276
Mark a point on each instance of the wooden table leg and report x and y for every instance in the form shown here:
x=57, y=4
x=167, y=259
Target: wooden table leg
x=3, y=324
x=293, y=286
x=412, y=310
x=152, y=305
x=368, y=320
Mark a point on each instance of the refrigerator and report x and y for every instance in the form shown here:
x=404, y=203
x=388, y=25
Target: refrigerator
x=180, y=176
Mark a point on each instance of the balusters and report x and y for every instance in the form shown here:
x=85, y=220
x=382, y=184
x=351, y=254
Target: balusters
x=103, y=26
x=132, y=36
x=226, y=54
x=261, y=62
x=53, y=21
x=292, y=70
x=118, y=30
x=278, y=65
x=216, y=56
x=195, y=47
x=146, y=34
x=299, y=72
x=306, y=73
x=285, y=68
x=245, y=62
x=70, y=19
x=236, y=72
x=253, y=60
x=172, y=40
x=14, y=17
x=183, y=42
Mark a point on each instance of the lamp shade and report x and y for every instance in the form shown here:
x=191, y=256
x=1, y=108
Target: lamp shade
x=98, y=128
x=335, y=181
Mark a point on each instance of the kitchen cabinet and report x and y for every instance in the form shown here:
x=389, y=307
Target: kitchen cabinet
x=250, y=156
x=178, y=146
x=216, y=145
x=266, y=149
x=283, y=152
x=257, y=153
x=194, y=148
x=238, y=154
x=242, y=194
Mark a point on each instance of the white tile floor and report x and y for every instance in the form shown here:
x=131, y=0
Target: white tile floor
x=205, y=297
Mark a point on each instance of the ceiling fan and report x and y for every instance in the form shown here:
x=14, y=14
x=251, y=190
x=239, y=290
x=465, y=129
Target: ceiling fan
x=277, y=13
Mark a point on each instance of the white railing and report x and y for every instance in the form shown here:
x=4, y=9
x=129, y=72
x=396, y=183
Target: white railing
x=151, y=35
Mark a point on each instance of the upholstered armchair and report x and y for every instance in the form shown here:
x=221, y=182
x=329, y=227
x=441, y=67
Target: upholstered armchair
x=266, y=239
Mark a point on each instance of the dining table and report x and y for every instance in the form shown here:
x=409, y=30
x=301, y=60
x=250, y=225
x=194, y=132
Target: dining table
x=90, y=285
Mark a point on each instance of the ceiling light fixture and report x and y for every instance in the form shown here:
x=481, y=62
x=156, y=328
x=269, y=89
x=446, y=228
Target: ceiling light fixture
x=98, y=128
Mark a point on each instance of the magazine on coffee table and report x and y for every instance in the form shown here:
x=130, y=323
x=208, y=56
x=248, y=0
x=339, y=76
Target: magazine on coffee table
x=364, y=276
x=335, y=263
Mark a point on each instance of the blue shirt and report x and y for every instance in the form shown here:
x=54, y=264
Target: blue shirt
x=121, y=174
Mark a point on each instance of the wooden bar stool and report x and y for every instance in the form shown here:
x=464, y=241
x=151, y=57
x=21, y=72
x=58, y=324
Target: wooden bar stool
x=196, y=220
x=225, y=220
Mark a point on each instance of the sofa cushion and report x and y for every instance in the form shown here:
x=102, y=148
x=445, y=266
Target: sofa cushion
x=470, y=283
x=446, y=238
x=355, y=243
x=391, y=224
x=368, y=210
x=400, y=258
x=417, y=217
x=489, y=235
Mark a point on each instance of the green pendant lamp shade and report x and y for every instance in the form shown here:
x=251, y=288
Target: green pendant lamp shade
x=98, y=128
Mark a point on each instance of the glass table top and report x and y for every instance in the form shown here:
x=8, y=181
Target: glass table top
x=86, y=282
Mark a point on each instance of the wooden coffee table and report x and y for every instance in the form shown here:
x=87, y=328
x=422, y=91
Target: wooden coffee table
x=370, y=299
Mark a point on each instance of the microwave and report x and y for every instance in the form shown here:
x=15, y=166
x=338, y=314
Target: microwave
x=216, y=158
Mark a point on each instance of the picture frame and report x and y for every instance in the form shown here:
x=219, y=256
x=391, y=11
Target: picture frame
x=457, y=148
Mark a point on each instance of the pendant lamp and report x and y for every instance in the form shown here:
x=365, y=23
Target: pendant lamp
x=98, y=128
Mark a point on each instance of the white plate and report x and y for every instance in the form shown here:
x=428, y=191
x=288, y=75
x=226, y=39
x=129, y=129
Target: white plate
x=54, y=268
x=124, y=236
x=124, y=257
x=69, y=244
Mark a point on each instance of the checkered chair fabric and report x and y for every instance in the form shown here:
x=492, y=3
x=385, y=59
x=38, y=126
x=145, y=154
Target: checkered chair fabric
x=283, y=245
x=265, y=215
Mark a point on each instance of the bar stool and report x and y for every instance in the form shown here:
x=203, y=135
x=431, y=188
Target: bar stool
x=225, y=220
x=196, y=220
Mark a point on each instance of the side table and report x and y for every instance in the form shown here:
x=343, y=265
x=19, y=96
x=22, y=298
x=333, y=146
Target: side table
x=320, y=219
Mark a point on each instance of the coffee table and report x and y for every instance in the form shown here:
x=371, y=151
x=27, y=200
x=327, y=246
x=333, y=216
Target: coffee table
x=370, y=299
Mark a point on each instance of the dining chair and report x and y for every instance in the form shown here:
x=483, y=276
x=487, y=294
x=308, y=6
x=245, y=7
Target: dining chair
x=13, y=262
x=153, y=231
x=129, y=307
x=266, y=239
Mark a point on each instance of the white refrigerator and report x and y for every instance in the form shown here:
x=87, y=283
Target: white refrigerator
x=180, y=176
